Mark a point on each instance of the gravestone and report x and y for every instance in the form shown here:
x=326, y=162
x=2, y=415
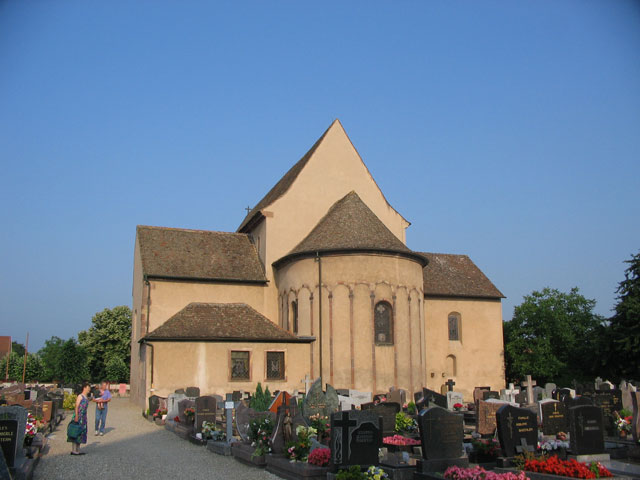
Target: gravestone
x=564, y=394
x=5, y=474
x=358, y=398
x=154, y=404
x=635, y=422
x=550, y=389
x=539, y=393
x=611, y=402
x=490, y=394
x=529, y=384
x=478, y=395
x=509, y=394
x=356, y=436
x=291, y=410
x=206, y=408
x=433, y=399
x=454, y=398
x=397, y=396
x=242, y=419
x=554, y=417
x=582, y=400
x=521, y=398
x=193, y=392
x=47, y=411
x=486, y=417
x=442, y=435
x=317, y=402
x=282, y=398
x=236, y=395
x=627, y=389
x=517, y=430
x=182, y=406
x=13, y=421
x=586, y=430
x=181, y=390
x=172, y=405
x=387, y=411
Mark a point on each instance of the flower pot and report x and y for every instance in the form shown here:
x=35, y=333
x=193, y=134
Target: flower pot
x=622, y=434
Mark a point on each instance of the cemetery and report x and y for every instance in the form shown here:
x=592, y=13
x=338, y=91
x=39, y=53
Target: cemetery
x=525, y=431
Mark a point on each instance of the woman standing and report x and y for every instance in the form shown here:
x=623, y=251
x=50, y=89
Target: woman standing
x=80, y=416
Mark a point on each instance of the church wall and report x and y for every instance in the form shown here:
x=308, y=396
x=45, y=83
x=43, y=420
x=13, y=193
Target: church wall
x=169, y=297
x=207, y=365
x=137, y=369
x=479, y=354
x=352, y=286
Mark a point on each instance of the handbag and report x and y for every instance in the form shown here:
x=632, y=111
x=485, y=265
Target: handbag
x=74, y=429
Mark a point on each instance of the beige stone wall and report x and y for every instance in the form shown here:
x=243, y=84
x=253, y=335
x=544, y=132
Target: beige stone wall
x=479, y=354
x=352, y=286
x=136, y=378
x=207, y=366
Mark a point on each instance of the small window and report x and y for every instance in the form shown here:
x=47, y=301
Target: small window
x=240, y=369
x=275, y=366
x=294, y=316
x=383, y=319
x=452, y=367
x=454, y=326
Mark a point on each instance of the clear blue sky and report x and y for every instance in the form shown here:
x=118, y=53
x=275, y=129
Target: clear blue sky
x=509, y=131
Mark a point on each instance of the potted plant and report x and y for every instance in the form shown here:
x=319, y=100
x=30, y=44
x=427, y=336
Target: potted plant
x=406, y=424
x=398, y=443
x=260, y=430
x=298, y=451
x=320, y=457
x=190, y=413
x=321, y=425
x=623, y=424
x=458, y=407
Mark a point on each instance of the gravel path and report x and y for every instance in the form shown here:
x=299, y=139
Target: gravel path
x=134, y=448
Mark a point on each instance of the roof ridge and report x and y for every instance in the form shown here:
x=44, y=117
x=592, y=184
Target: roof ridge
x=190, y=230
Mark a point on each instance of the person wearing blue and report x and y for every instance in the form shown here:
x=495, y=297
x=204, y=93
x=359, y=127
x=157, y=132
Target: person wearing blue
x=102, y=407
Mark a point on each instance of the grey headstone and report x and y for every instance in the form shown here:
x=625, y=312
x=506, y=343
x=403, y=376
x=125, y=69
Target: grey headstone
x=173, y=400
x=387, y=411
x=13, y=421
x=442, y=434
x=206, y=408
x=319, y=402
x=549, y=389
x=453, y=398
x=193, y=392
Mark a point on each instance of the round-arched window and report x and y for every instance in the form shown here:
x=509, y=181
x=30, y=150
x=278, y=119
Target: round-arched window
x=383, y=320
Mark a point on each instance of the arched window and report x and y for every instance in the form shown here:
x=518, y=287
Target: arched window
x=454, y=326
x=383, y=319
x=294, y=316
x=451, y=366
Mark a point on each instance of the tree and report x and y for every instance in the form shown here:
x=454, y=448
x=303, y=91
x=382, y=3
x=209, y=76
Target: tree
x=51, y=355
x=623, y=357
x=18, y=348
x=552, y=336
x=33, y=372
x=117, y=370
x=73, y=362
x=108, y=337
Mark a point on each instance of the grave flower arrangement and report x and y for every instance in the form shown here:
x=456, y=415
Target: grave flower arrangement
x=190, y=413
x=298, y=451
x=260, y=430
x=485, y=450
x=623, y=424
x=207, y=429
x=399, y=440
x=355, y=473
x=404, y=423
x=30, y=430
x=411, y=408
x=321, y=425
x=159, y=413
x=567, y=468
x=458, y=406
x=320, y=457
x=479, y=473
x=551, y=445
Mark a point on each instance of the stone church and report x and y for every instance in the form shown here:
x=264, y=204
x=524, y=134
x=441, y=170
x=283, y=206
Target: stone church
x=317, y=281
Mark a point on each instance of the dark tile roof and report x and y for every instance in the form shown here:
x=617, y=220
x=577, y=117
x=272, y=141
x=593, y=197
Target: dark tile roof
x=450, y=275
x=351, y=225
x=284, y=183
x=198, y=254
x=221, y=322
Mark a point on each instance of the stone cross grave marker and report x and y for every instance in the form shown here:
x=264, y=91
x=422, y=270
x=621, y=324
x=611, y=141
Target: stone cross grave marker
x=509, y=394
x=453, y=398
x=554, y=416
x=387, y=411
x=206, y=409
x=307, y=381
x=13, y=421
x=356, y=436
x=450, y=384
x=586, y=430
x=517, y=430
x=442, y=435
x=529, y=384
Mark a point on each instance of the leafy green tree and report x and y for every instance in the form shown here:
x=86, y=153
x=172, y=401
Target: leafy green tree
x=17, y=348
x=33, y=372
x=261, y=399
x=51, y=356
x=73, y=362
x=117, y=370
x=108, y=337
x=552, y=336
x=623, y=359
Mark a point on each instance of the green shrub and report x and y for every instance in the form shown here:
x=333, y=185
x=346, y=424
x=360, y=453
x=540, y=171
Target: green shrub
x=69, y=402
x=261, y=399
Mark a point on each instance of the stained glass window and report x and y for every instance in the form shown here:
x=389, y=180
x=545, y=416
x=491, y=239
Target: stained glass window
x=240, y=369
x=275, y=366
x=454, y=326
x=383, y=319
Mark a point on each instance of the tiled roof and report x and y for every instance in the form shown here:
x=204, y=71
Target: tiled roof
x=284, y=183
x=221, y=322
x=198, y=254
x=351, y=225
x=450, y=275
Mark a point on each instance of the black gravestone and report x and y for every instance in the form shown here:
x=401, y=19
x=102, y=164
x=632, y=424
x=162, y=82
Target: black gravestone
x=5, y=474
x=434, y=398
x=387, y=411
x=356, y=436
x=610, y=401
x=154, y=404
x=13, y=421
x=180, y=390
x=442, y=435
x=563, y=394
x=582, y=400
x=517, y=430
x=278, y=437
x=521, y=398
x=193, y=392
x=205, y=411
x=586, y=428
x=554, y=417
x=9, y=440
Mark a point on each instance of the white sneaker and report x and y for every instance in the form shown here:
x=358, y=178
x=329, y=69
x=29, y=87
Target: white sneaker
x=102, y=434
x=97, y=433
